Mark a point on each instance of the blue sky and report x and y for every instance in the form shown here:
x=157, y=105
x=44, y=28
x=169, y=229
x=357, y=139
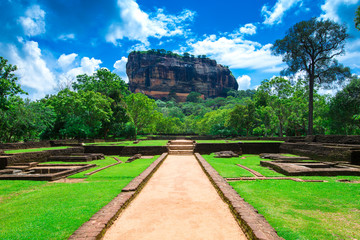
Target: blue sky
x=52, y=41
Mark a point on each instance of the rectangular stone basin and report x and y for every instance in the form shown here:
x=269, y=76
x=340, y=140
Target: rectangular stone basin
x=45, y=172
x=312, y=168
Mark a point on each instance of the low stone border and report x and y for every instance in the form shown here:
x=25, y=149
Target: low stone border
x=49, y=176
x=96, y=227
x=40, y=156
x=251, y=222
x=271, y=178
x=103, y=168
x=311, y=168
x=126, y=150
x=253, y=172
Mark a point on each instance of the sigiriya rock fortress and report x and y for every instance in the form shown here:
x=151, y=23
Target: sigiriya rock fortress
x=160, y=74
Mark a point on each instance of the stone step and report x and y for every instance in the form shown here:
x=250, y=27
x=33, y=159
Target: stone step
x=181, y=142
x=181, y=147
x=181, y=152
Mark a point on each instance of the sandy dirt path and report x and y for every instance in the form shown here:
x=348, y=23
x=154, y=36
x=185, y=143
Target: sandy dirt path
x=178, y=202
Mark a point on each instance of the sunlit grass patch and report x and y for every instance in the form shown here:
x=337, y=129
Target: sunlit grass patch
x=34, y=149
x=306, y=210
x=227, y=166
x=53, y=210
x=298, y=210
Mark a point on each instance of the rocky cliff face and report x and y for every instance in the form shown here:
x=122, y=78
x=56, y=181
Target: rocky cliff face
x=158, y=75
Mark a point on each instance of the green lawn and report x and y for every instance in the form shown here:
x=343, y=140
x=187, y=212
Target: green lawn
x=298, y=210
x=227, y=166
x=48, y=210
x=34, y=149
x=305, y=210
x=130, y=143
x=236, y=141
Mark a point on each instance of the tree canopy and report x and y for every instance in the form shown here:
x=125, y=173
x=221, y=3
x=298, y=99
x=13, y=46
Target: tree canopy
x=142, y=111
x=311, y=46
x=8, y=83
x=357, y=18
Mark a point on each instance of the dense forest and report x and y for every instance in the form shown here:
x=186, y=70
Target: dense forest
x=100, y=106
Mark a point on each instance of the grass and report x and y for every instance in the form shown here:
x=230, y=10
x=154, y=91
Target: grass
x=306, y=210
x=298, y=210
x=227, y=166
x=33, y=149
x=50, y=210
x=236, y=141
x=130, y=143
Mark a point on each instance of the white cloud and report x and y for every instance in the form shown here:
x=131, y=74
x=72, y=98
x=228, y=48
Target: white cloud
x=66, y=37
x=138, y=25
x=87, y=66
x=34, y=21
x=32, y=69
x=65, y=61
x=120, y=68
x=238, y=53
x=275, y=15
x=244, y=82
x=248, y=29
x=331, y=9
x=139, y=47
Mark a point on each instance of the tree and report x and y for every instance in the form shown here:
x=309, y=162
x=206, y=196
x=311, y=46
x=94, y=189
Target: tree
x=8, y=85
x=110, y=85
x=24, y=120
x=213, y=123
x=268, y=121
x=194, y=97
x=141, y=110
x=276, y=93
x=357, y=18
x=312, y=46
x=14, y=120
x=243, y=117
x=345, y=109
x=79, y=114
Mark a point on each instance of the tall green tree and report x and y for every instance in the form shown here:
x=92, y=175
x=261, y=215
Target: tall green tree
x=243, y=117
x=14, y=121
x=345, y=109
x=110, y=85
x=104, y=82
x=276, y=93
x=79, y=114
x=312, y=46
x=8, y=83
x=142, y=111
x=24, y=120
x=357, y=18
